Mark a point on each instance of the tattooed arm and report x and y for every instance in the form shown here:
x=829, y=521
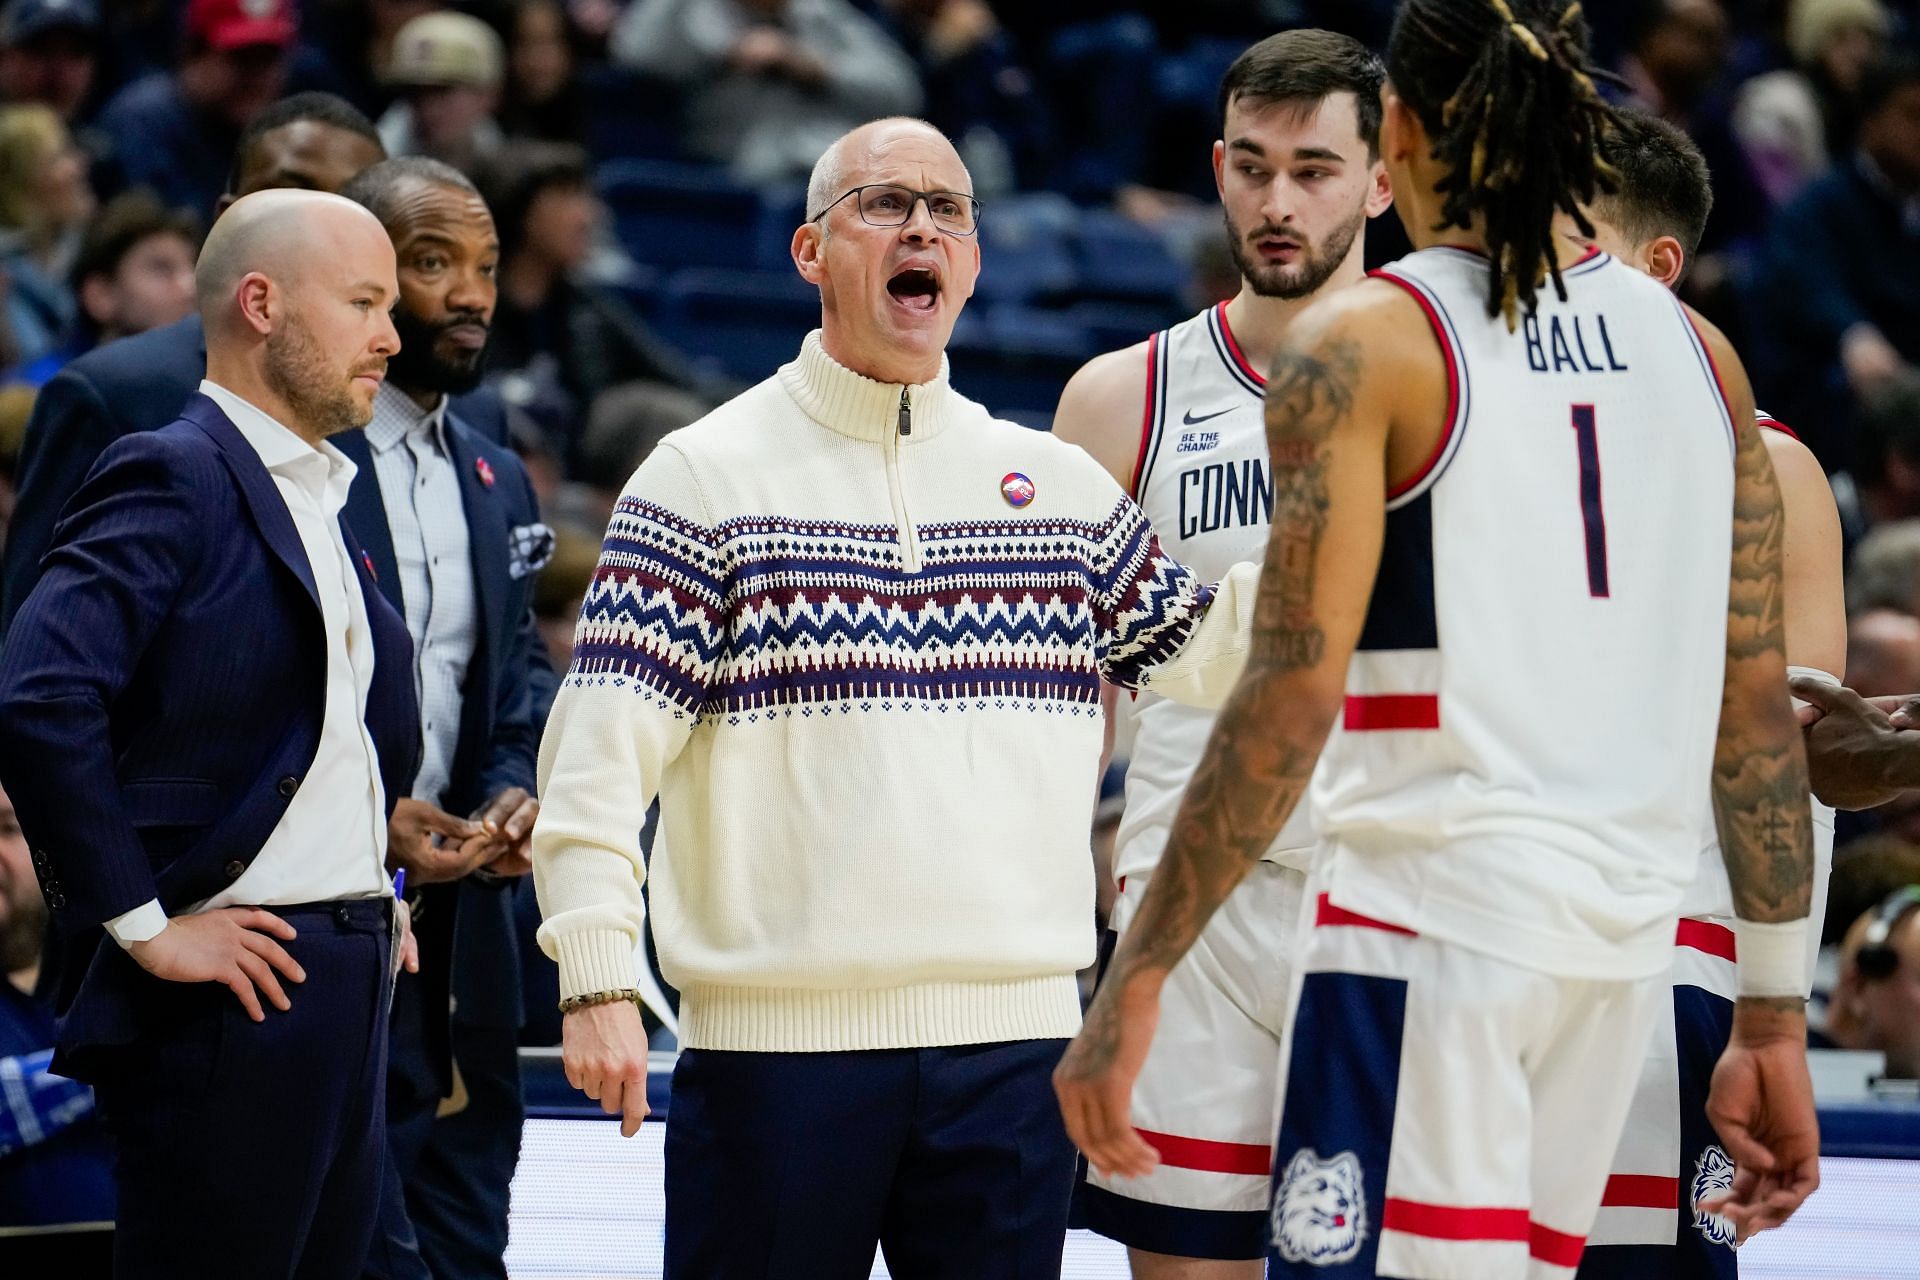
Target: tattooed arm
x=1761, y=1100
x=1331, y=401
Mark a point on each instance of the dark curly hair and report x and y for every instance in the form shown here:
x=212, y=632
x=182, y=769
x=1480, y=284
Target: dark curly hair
x=1506, y=91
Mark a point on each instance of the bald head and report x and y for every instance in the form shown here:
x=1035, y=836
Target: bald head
x=295, y=290
x=854, y=154
x=280, y=234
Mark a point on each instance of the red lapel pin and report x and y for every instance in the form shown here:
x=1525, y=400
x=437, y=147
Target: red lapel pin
x=366, y=558
x=484, y=470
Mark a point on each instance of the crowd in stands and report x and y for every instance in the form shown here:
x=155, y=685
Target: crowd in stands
x=645, y=161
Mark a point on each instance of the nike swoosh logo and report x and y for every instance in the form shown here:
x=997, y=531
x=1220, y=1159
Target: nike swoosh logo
x=1192, y=421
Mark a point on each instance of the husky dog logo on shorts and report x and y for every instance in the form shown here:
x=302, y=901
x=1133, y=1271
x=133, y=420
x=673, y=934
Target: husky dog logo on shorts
x=1713, y=1175
x=1320, y=1210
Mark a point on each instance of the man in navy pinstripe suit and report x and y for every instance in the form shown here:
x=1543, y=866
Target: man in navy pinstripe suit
x=207, y=664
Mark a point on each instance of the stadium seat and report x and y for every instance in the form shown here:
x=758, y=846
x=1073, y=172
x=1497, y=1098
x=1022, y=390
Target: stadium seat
x=630, y=116
x=748, y=322
x=1025, y=249
x=1117, y=258
x=1015, y=360
x=680, y=215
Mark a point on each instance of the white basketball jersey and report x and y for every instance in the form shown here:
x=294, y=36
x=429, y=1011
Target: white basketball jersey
x=1202, y=478
x=1532, y=709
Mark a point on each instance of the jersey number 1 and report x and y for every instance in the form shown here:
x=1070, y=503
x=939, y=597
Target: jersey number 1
x=1593, y=516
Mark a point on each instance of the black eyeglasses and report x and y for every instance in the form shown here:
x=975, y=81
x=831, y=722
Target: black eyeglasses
x=882, y=204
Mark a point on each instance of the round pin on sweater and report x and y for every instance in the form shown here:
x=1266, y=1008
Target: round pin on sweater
x=1016, y=489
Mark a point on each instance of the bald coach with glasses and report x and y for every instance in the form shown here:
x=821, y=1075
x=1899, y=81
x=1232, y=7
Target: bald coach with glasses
x=851, y=629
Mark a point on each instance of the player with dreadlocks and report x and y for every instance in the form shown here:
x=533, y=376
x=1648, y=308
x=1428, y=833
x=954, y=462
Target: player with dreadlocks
x=1534, y=673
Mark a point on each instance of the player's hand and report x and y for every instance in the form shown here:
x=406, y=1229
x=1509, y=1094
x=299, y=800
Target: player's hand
x=1857, y=757
x=463, y=845
x=603, y=1048
x=1761, y=1104
x=234, y=946
x=1094, y=1080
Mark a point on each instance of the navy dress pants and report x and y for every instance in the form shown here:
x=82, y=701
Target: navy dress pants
x=953, y=1161
x=251, y=1150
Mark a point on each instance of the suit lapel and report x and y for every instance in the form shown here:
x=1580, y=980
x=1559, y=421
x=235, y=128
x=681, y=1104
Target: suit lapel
x=486, y=536
x=263, y=498
x=366, y=514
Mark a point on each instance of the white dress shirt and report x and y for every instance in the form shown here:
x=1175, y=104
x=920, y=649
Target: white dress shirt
x=332, y=841
x=428, y=521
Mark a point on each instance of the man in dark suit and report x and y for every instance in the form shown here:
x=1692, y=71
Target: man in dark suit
x=312, y=141
x=207, y=665
x=453, y=530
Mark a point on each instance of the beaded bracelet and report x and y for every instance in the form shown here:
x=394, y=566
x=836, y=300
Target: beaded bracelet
x=592, y=998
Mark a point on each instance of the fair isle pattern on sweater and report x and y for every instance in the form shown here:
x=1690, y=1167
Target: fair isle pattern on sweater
x=770, y=616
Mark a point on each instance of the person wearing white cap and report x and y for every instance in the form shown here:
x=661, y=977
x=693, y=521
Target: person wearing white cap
x=448, y=68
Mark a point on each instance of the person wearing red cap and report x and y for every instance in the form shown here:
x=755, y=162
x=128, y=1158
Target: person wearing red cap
x=173, y=131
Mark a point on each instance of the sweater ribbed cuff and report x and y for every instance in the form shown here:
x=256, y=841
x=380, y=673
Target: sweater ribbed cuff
x=595, y=960
x=788, y=1020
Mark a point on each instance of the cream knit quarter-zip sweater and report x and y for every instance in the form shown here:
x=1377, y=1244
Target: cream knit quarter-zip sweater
x=866, y=688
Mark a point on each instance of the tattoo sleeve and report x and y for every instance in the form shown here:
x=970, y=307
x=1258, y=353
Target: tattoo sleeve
x=1759, y=766
x=1268, y=736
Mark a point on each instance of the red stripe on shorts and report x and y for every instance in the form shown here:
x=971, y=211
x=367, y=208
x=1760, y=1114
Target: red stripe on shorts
x=1451, y=1222
x=1556, y=1248
x=1209, y=1156
x=1714, y=939
x=1326, y=913
x=1641, y=1191
x=1372, y=712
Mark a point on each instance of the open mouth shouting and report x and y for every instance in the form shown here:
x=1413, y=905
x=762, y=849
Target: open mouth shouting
x=915, y=287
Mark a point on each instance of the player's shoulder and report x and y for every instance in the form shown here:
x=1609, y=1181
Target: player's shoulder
x=1378, y=321
x=1103, y=407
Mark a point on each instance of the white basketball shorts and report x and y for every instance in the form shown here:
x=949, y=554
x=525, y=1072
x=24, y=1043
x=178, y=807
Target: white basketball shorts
x=1205, y=1098
x=1445, y=1115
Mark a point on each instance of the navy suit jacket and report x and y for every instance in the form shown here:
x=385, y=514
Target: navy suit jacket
x=135, y=384
x=161, y=700
x=509, y=688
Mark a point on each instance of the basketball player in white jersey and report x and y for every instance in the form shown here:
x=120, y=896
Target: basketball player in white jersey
x=1649, y=1227
x=1507, y=479
x=1298, y=171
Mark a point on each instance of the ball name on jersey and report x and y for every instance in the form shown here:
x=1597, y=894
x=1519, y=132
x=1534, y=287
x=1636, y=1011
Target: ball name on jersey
x=1553, y=350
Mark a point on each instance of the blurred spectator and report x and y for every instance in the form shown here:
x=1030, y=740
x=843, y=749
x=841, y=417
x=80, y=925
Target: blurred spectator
x=1883, y=653
x=1677, y=51
x=49, y=50
x=356, y=37
x=978, y=91
x=562, y=586
x=1844, y=258
x=1884, y=572
x=1864, y=873
x=175, y=131
x=1883, y=484
x=1791, y=122
x=1876, y=1003
x=448, y=67
x=134, y=273
x=770, y=83
x=625, y=424
x=557, y=332
x=56, y=1171
x=543, y=99
x=45, y=203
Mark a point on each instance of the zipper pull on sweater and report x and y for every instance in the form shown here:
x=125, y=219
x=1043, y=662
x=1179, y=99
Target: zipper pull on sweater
x=906, y=414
